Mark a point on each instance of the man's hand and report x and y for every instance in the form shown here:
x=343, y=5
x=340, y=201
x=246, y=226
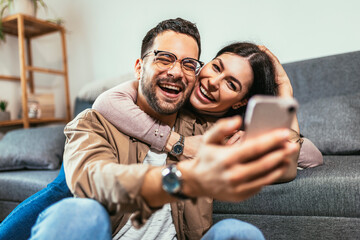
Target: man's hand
x=236, y=138
x=236, y=172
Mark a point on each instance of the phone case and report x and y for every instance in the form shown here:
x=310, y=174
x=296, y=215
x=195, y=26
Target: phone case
x=266, y=113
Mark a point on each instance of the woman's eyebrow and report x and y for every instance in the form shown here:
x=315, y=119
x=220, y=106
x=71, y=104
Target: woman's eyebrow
x=221, y=63
x=231, y=77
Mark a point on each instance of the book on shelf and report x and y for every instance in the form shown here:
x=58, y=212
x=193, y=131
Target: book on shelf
x=41, y=105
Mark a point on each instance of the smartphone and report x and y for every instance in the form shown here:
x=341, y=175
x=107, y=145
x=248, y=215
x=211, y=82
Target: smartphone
x=266, y=113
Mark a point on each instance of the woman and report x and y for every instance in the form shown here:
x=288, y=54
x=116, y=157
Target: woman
x=224, y=86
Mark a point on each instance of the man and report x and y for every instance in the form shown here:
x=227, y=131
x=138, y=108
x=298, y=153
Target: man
x=102, y=163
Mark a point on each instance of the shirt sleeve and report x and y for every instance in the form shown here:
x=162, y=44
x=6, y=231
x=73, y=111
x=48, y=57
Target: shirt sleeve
x=118, y=106
x=95, y=170
x=310, y=155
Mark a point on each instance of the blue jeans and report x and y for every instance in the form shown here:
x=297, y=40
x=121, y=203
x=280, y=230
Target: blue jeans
x=233, y=229
x=17, y=225
x=81, y=218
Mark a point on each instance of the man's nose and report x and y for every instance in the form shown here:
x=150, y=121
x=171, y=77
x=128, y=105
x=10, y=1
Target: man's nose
x=176, y=70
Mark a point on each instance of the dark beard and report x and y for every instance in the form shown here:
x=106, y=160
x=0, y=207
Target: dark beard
x=150, y=96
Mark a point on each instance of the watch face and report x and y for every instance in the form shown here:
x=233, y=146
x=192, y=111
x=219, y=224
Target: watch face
x=171, y=183
x=178, y=149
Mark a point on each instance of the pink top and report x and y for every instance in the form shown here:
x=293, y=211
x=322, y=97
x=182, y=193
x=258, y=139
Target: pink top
x=118, y=106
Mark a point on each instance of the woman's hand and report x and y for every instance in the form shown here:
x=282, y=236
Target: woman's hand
x=191, y=147
x=284, y=86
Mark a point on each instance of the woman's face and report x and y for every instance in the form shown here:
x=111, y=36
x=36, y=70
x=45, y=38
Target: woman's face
x=223, y=83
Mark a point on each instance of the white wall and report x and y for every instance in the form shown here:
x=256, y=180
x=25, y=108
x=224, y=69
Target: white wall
x=104, y=37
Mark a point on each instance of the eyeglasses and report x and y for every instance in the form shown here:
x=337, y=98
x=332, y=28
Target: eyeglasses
x=166, y=60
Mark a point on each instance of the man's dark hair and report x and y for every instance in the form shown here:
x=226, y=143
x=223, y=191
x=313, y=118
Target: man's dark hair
x=178, y=25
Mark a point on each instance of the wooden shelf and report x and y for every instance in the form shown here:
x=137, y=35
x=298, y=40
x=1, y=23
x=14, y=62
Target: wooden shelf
x=44, y=70
x=33, y=27
x=25, y=28
x=9, y=78
x=31, y=121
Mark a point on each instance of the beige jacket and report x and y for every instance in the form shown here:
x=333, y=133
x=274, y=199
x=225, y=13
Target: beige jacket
x=104, y=164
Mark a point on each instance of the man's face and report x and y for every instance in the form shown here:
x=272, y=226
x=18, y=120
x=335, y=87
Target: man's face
x=167, y=90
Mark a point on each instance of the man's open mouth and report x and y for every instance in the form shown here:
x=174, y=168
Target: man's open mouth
x=205, y=93
x=169, y=88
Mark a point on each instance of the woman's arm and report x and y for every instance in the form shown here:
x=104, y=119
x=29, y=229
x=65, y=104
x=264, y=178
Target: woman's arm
x=191, y=145
x=284, y=85
x=310, y=156
x=118, y=106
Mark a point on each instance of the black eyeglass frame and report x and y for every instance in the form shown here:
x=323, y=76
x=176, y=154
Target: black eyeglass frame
x=156, y=52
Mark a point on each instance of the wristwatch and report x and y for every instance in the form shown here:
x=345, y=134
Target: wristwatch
x=178, y=147
x=172, y=180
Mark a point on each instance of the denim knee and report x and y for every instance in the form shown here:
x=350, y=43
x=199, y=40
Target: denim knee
x=233, y=229
x=74, y=218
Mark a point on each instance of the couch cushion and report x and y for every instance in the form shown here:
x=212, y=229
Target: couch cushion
x=327, y=90
x=81, y=105
x=92, y=90
x=332, y=189
x=332, y=123
x=16, y=186
x=34, y=148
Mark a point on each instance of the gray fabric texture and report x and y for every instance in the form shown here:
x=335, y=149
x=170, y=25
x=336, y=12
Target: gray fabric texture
x=327, y=90
x=6, y=208
x=34, y=148
x=330, y=190
x=16, y=186
x=81, y=105
x=337, y=75
x=301, y=227
x=339, y=131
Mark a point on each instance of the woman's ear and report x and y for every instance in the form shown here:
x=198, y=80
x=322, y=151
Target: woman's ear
x=138, y=68
x=240, y=104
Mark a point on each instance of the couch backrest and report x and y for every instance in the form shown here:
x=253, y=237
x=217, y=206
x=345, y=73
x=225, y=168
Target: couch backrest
x=325, y=77
x=328, y=90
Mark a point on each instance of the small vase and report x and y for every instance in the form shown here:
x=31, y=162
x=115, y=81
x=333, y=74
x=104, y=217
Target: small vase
x=26, y=7
x=4, y=116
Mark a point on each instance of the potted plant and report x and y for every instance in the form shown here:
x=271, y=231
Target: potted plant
x=4, y=115
x=27, y=7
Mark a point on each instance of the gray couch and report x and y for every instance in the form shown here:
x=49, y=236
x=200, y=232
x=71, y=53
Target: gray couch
x=321, y=203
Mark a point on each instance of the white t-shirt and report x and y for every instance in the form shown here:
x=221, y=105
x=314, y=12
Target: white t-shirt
x=160, y=225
